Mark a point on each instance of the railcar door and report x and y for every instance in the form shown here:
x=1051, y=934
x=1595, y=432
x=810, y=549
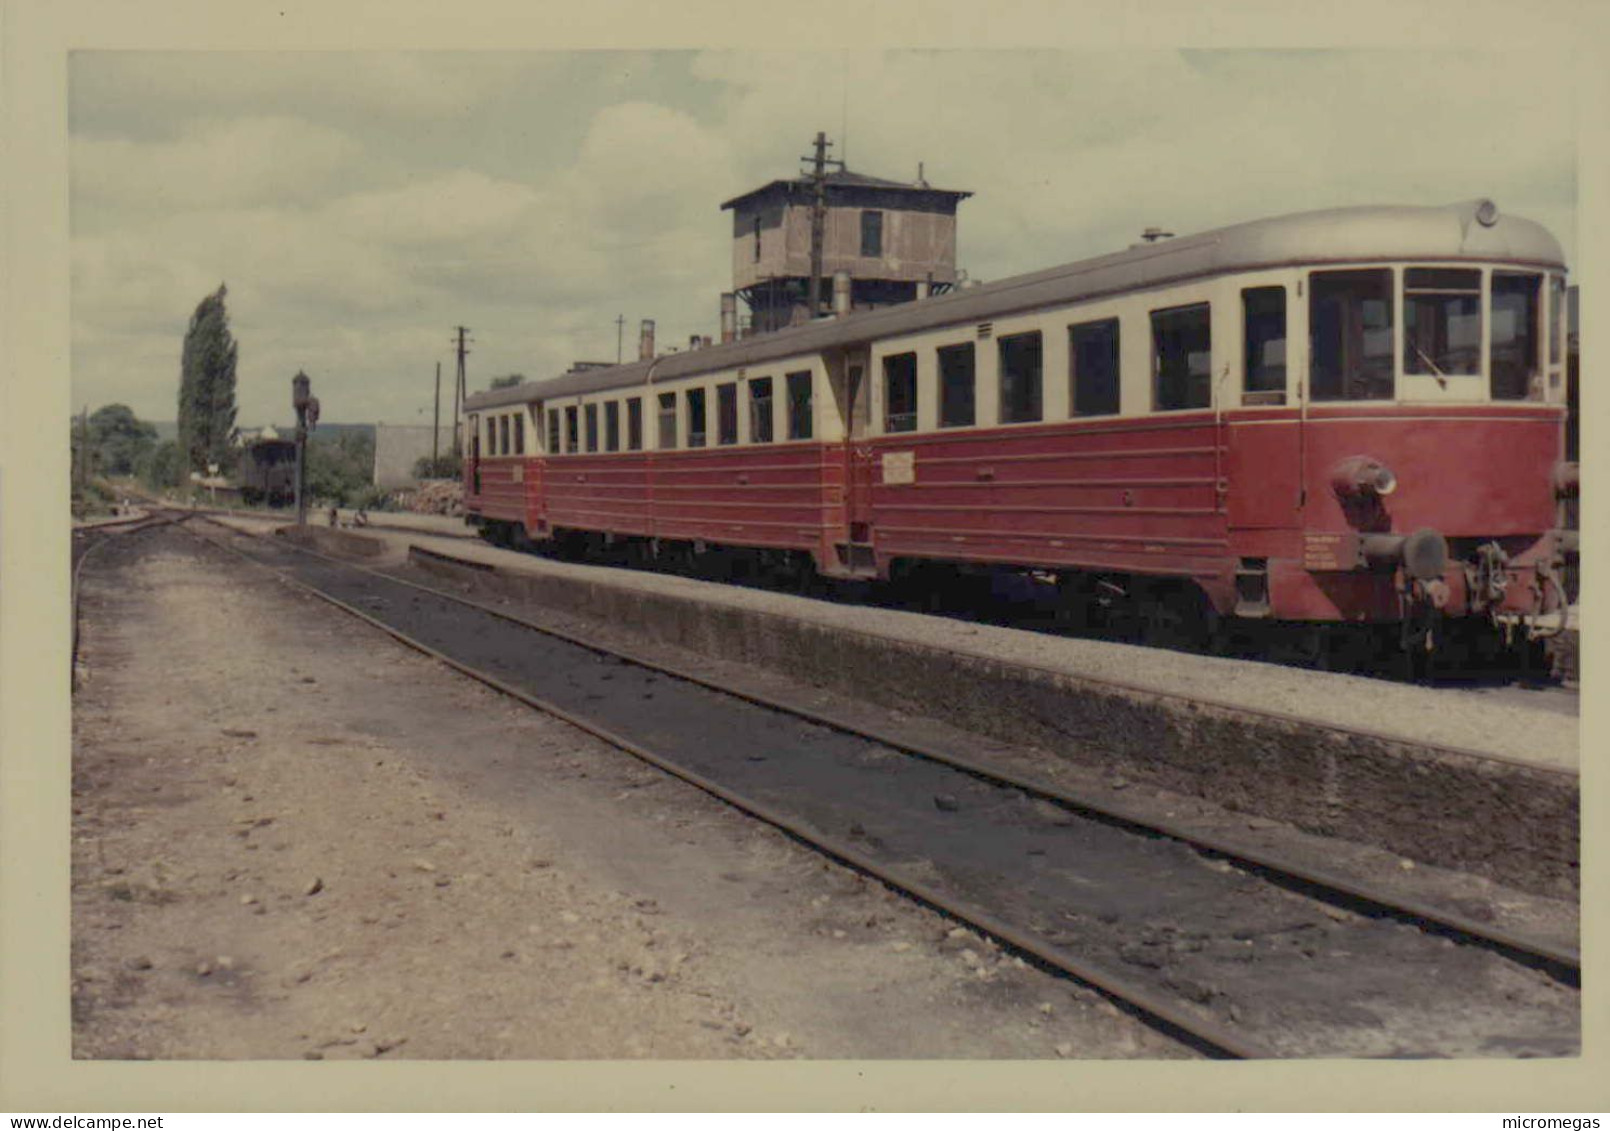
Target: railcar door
x=847, y=375
x=472, y=453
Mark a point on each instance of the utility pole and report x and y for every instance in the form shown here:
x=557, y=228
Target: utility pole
x=818, y=175
x=460, y=390
x=436, y=426
x=620, y=328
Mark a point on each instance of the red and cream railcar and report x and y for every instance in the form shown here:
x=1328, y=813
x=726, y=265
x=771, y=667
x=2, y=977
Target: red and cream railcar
x=1348, y=415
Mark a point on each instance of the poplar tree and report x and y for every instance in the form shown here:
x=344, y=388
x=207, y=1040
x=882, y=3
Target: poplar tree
x=207, y=385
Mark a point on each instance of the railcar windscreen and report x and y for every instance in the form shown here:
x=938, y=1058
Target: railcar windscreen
x=956, y=386
x=1442, y=321
x=1350, y=331
x=1516, y=374
x=1264, y=323
x=1182, y=352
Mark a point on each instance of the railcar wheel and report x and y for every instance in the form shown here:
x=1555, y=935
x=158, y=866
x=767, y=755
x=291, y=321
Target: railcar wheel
x=1180, y=617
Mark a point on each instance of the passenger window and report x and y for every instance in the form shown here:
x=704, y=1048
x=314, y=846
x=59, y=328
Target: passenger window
x=900, y=392
x=553, y=431
x=667, y=420
x=1442, y=322
x=1182, y=358
x=760, y=412
x=519, y=434
x=634, y=424
x=799, y=406
x=1093, y=367
x=1263, y=322
x=1514, y=347
x=1350, y=335
x=956, y=386
x=727, y=413
x=696, y=420
x=1020, y=378
x=592, y=428
x=572, y=435
x=612, y=426
x=1556, y=320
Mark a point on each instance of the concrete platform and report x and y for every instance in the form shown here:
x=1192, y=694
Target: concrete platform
x=1479, y=781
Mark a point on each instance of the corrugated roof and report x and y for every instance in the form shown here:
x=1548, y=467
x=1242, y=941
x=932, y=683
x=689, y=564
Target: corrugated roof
x=845, y=179
x=1337, y=235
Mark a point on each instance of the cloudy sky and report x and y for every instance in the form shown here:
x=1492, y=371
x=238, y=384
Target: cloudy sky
x=359, y=206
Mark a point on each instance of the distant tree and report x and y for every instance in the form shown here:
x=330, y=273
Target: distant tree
x=163, y=466
x=118, y=439
x=207, y=384
x=340, y=466
x=508, y=382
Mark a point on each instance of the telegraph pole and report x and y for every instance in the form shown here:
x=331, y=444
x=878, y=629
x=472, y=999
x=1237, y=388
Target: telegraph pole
x=620, y=328
x=460, y=390
x=818, y=175
x=436, y=426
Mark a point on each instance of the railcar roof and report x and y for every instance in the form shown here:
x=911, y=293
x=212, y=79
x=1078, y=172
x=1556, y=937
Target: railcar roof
x=1449, y=232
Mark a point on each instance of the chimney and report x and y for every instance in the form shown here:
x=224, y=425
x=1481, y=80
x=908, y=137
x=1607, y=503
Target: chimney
x=695, y=342
x=729, y=317
x=841, y=293
x=645, y=340
x=706, y=342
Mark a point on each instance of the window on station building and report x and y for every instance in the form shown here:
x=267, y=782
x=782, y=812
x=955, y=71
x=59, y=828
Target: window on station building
x=957, y=408
x=727, y=413
x=553, y=431
x=634, y=424
x=1263, y=339
x=900, y=393
x=612, y=426
x=871, y=234
x=1350, y=335
x=757, y=237
x=519, y=434
x=1442, y=321
x=1021, y=377
x=667, y=420
x=1093, y=368
x=800, y=410
x=760, y=411
x=572, y=429
x=1182, y=352
x=1514, y=349
x=696, y=418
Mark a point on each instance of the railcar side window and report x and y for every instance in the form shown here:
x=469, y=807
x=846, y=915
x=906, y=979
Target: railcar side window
x=553, y=431
x=1442, y=321
x=612, y=426
x=1182, y=352
x=1263, y=320
x=592, y=427
x=727, y=413
x=696, y=420
x=760, y=419
x=1517, y=375
x=519, y=434
x=667, y=420
x=1093, y=367
x=572, y=433
x=900, y=393
x=956, y=393
x=1020, y=377
x=799, y=406
x=1350, y=335
x=634, y=424
x=1556, y=324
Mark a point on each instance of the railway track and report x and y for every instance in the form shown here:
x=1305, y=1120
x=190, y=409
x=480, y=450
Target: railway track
x=87, y=539
x=1236, y=954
